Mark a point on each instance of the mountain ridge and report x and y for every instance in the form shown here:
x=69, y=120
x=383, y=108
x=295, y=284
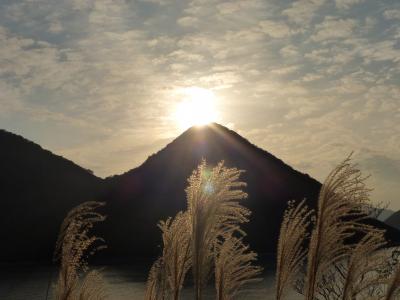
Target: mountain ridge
x=219, y=127
x=38, y=188
x=5, y=134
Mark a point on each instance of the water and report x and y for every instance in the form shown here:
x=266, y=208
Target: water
x=123, y=282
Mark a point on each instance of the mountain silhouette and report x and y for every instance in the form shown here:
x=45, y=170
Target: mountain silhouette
x=38, y=188
x=385, y=214
x=138, y=199
x=394, y=220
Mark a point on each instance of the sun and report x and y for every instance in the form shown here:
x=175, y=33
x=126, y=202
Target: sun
x=197, y=108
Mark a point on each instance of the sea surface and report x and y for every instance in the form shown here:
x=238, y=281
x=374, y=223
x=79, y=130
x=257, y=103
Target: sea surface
x=123, y=281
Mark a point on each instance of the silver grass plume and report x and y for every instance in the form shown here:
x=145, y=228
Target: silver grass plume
x=92, y=287
x=341, y=206
x=156, y=288
x=176, y=251
x=233, y=267
x=73, y=247
x=214, y=210
x=393, y=285
x=291, y=252
x=362, y=276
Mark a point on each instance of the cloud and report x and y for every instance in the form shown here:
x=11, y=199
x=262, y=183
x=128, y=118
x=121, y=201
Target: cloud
x=311, y=77
x=302, y=11
x=285, y=70
x=188, y=21
x=392, y=14
x=275, y=29
x=332, y=29
x=55, y=27
x=289, y=51
x=308, y=80
x=346, y=4
x=381, y=51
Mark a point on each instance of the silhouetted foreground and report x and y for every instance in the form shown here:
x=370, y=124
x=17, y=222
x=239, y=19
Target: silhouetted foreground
x=315, y=255
x=38, y=188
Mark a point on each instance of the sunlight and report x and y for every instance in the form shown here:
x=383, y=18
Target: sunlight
x=197, y=108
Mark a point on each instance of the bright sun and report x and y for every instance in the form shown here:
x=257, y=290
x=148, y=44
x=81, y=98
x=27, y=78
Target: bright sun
x=197, y=108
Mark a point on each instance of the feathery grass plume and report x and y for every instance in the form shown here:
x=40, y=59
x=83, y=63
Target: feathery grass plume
x=213, y=204
x=176, y=251
x=157, y=282
x=74, y=242
x=341, y=207
x=92, y=287
x=291, y=252
x=393, y=285
x=362, y=278
x=233, y=267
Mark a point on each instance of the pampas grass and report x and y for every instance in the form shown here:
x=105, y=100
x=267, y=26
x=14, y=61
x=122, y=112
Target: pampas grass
x=92, y=287
x=156, y=282
x=361, y=277
x=334, y=267
x=171, y=269
x=291, y=251
x=206, y=236
x=73, y=247
x=341, y=206
x=213, y=206
x=393, y=285
x=234, y=267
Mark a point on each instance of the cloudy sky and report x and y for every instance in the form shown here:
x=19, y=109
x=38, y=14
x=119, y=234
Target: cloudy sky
x=99, y=81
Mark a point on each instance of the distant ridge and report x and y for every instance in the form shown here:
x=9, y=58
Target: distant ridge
x=394, y=220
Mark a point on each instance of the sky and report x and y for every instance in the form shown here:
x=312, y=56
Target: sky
x=100, y=81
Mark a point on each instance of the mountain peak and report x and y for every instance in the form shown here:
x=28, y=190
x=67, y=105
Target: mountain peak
x=215, y=142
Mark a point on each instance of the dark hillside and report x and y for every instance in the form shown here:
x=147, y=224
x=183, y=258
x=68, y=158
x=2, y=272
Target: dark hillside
x=155, y=190
x=37, y=189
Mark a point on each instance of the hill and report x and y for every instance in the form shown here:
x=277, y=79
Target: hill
x=37, y=189
x=394, y=220
x=385, y=214
x=141, y=197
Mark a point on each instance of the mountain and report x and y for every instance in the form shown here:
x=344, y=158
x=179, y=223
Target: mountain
x=394, y=220
x=37, y=189
x=154, y=191
x=385, y=214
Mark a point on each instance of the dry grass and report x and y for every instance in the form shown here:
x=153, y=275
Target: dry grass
x=73, y=247
x=234, y=267
x=291, y=251
x=168, y=272
x=393, y=285
x=361, y=276
x=92, y=287
x=156, y=282
x=341, y=206
x=193, y=238
x=335, y=268
x=214, y=209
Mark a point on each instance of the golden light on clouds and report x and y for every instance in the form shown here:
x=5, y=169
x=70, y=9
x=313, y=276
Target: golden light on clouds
x=197, y=108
